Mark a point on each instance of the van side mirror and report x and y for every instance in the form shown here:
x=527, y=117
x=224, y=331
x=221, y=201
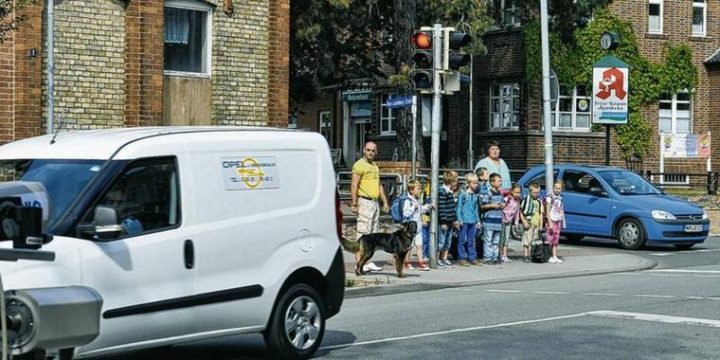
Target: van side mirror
x=106, y=223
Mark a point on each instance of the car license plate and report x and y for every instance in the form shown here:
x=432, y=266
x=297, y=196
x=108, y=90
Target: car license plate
x=693, y=228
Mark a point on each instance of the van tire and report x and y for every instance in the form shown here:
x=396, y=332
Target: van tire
x=302, y=307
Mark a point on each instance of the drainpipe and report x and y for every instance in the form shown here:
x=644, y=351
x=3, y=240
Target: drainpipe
x=50, y=65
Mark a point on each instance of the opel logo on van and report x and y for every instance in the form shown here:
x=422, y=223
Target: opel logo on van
x=250, y=173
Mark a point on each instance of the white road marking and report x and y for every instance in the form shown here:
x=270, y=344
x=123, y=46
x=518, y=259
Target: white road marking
x=655, y=296
x=552, y=292
x=657, y=318
x=601, y=294
x=662, y=254
x=436, y=333
x=505, y=291
x=685, y=271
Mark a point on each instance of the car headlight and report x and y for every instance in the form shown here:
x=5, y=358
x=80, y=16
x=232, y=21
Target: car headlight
x=662, y=215
x=705, y=215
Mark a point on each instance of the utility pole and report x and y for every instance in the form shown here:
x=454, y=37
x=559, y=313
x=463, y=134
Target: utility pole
x=435, y=140
x=51, y=66
x=546, y=96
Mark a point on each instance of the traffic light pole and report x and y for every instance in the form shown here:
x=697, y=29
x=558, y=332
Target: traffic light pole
x=435, y=140
x=545, y=45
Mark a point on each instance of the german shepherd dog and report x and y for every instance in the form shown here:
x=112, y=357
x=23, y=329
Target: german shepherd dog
x=397, y=243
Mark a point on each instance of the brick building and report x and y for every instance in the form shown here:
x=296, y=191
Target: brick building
x=507, y=109
x=147, y=62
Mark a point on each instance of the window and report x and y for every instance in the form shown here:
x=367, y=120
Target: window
x=387, y=117
x=325, y=120
x=145, y=197
x=655, y=16
x=540, y=179
x=506, y=13
x=572, y=111
x=582, y=182
x=675, y=113
x=292, y=121
x=505, y=106
x=187, y=37
x=698, y=18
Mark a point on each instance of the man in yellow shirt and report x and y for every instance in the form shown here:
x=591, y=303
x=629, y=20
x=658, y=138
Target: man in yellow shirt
x=366, y=189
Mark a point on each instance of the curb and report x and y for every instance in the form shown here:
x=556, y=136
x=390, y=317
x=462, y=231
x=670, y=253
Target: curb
x=352, y=293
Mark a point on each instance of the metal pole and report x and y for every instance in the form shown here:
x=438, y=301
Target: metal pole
x=50, y=65
x=435, y=141
x=470, y=154
x=607, y=144
x=546, y=95
x=414, y=137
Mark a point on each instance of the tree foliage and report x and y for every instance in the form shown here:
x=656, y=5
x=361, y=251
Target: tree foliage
x=9, y=17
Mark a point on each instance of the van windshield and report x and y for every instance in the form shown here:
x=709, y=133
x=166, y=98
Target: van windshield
x=63, y=179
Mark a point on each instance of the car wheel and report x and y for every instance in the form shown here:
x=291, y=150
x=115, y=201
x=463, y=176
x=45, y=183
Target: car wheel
x=630, y=234
x=573, y=238
x=297, y=325
x=683, y=246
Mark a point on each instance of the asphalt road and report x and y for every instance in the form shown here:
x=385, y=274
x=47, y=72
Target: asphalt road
x=671, y=312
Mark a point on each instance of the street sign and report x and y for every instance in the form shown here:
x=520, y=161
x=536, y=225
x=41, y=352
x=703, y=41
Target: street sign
x=611, y=77
x=396, y=102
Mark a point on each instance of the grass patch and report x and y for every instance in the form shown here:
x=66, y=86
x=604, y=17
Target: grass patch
x=687, y=192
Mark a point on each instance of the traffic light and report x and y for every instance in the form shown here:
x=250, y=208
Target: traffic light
x=422, y=76
x=453, y=40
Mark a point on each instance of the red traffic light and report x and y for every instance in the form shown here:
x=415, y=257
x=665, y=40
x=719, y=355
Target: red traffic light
x=422, y=40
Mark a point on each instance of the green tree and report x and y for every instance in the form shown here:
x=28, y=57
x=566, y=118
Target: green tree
x=9, y=17
x=337, y=40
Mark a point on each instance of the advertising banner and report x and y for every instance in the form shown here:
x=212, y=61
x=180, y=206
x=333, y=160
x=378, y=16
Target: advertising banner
x=611, y=79
x=685, y=145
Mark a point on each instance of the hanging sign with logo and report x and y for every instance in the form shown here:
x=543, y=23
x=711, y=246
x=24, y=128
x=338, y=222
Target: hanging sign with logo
x=611, y=77
x=685, y=145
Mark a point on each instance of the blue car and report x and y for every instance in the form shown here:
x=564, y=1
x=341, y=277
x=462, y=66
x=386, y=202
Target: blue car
x=610, y=202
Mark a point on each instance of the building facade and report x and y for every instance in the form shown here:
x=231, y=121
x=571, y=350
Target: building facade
x=508, y=109
x=145, y=63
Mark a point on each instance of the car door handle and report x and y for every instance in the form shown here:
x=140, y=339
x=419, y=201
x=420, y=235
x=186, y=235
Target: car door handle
x=189, y=251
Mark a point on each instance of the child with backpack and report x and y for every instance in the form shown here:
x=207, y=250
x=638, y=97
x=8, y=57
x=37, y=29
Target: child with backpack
x=469, y=221
x=510, y=218
x=531, y=215
x=492, y=205
x=412, y=210
x=446, y=217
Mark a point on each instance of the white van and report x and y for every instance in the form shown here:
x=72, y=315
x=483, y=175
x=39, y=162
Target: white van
x=188, y=232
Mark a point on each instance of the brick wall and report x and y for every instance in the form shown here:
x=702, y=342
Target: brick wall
x=7, y=88
x=278, y=62
x=144, y=44
x=677, y=28
x=27, y=76
x=89, y=64
x=240, y=65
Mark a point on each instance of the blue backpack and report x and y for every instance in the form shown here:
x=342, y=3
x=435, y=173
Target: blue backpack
x=396, y=209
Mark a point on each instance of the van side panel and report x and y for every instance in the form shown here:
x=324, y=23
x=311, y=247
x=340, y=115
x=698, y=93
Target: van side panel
x=255, y=232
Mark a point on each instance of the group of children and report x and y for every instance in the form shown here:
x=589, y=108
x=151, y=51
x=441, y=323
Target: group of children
x=486, y=210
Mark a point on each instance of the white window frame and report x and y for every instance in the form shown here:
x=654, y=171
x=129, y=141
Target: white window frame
x=575, y=98
x=676, y=179
x=660, y=20
x=699, y=4
x=500, y=97
x=390, y=119
x=325, y=127
x=196, y=5
x=505, y=12
x=674, y=113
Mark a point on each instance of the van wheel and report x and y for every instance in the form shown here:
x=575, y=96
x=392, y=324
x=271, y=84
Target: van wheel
x=630, y=234
x=297, y=325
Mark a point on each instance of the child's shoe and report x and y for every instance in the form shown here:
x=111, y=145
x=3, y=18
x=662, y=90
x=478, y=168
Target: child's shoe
x=553, y=260
x=408, y=266
x=422, y=266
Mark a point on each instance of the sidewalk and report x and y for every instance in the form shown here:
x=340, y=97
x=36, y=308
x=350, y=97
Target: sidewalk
x=578, y=262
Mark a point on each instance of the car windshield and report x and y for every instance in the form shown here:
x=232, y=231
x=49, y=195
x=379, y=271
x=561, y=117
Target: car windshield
x=63, y=179
x=628, y=183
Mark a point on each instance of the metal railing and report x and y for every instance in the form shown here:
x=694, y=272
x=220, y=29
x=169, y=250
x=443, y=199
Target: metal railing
x=710, y=180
